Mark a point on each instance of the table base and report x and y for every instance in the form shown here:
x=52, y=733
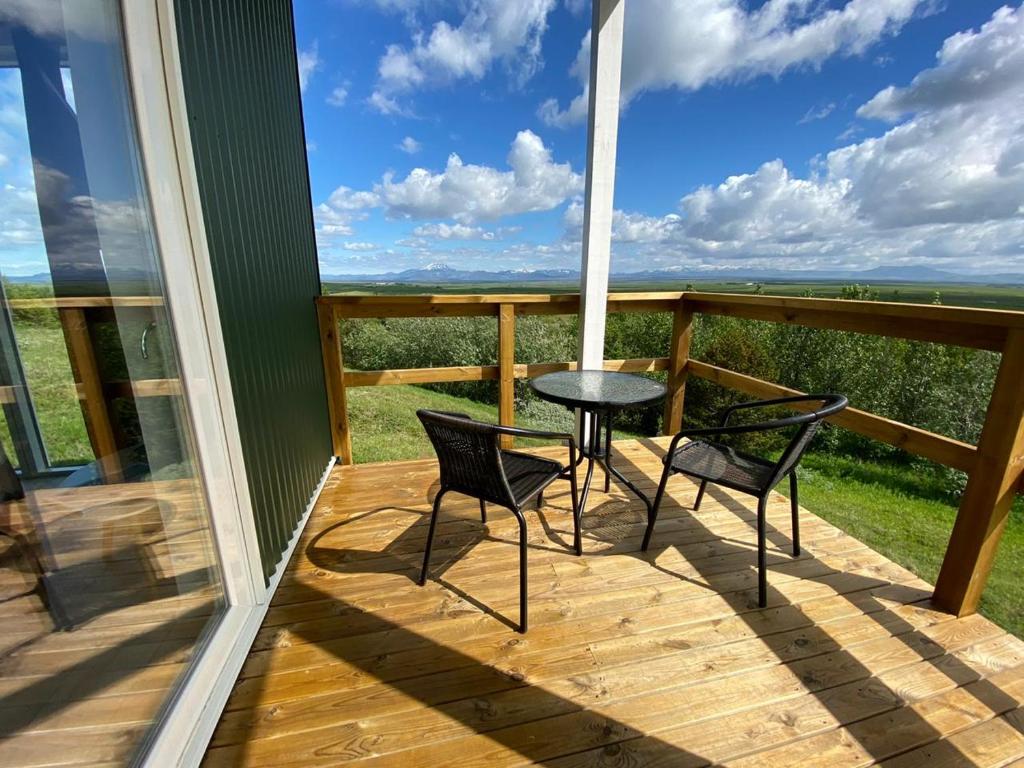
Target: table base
x=596, y=453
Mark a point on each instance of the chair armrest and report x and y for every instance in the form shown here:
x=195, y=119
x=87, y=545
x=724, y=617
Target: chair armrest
x=538, y=433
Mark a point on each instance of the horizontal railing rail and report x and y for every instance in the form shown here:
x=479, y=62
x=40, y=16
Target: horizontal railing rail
x=994, y=467
x=94, y=394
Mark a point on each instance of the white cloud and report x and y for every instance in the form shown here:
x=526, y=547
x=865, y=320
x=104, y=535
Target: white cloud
x=346, y=199
x=387, y=105
x=468, y=193
x=491, y=31
x=944, y=187
x=687, y=44
x=768, y=205
x=333, y=218
x=972, y=67
x=627, y=227
x=409, y=145
x=357, y=246
x=817, y=113
x=338, y=96
x=50, y=19
x=309, y=62
x=442, y=231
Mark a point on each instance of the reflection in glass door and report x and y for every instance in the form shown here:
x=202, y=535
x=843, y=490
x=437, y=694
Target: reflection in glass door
x=109, y=579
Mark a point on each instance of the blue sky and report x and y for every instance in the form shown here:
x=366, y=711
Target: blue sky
x=753, y=134
x=786, y=134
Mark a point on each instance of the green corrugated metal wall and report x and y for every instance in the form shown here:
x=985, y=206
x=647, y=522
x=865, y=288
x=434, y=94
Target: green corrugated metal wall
x=241, y=87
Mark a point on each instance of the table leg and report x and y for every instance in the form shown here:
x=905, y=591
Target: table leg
x=591, y=453
x=607, y=451
x=606, y=464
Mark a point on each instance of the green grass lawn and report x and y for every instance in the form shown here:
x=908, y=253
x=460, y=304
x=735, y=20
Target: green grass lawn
x=898, y=511
x=52, y=387
x=906, y=515
x=385, y=427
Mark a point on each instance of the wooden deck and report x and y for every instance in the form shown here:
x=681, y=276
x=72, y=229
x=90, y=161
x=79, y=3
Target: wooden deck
x=138, y=600
x=631, y=660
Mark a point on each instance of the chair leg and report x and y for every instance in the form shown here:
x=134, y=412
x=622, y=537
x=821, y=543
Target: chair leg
x=430, y=535
x=483, y=511
x=700, y=495
x=794, y=503
x=762, y=574
x=540, y=500
x=653, y=515
x=523, y=596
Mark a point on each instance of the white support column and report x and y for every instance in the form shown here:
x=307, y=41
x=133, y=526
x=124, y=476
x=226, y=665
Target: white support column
x=602, y=135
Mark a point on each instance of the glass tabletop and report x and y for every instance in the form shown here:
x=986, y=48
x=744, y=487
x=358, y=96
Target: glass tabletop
x=597, y=389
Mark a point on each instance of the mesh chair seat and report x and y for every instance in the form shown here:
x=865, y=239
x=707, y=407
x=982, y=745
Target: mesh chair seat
x=528, y=474
x=723, y=465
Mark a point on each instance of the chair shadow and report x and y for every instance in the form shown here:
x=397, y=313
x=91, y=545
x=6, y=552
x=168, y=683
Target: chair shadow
x=746, y=608
x=618, y=742
x=403, y=555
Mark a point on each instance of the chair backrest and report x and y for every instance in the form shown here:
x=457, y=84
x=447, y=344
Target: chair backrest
x=469, y=456
x=809, y=425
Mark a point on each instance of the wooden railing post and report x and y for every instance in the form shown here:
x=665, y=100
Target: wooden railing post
x=990, y=491
x=334, y=375
x=506, y=369
x=678, y=356
x=85, y=368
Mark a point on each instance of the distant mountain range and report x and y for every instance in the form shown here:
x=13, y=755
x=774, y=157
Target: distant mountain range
x=443, y=273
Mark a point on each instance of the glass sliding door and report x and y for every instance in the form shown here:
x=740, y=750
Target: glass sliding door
x=110, y=579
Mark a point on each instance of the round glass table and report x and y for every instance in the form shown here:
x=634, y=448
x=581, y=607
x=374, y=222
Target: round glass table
x=598, y=394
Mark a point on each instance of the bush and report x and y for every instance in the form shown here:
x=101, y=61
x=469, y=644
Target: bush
x=938, y=388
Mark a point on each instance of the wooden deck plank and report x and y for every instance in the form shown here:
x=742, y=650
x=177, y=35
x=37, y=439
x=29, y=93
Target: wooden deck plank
x=141, y=597
x=631, y=660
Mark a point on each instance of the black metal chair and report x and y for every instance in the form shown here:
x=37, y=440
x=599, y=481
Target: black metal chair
x=473, y=463
x=709, y=461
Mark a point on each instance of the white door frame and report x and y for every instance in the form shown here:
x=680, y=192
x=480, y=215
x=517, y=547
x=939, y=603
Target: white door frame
x=154, y=75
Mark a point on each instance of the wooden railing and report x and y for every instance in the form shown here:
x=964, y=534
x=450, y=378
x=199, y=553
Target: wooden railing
x=94, y=394
x=994, y=467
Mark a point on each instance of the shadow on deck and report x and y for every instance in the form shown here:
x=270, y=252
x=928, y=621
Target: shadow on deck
x=632, y=659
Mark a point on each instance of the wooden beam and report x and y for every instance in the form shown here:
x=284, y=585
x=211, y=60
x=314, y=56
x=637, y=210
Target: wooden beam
x=421, y=375
x=337, y=404
x=960, y=326
x=85, y=368
x=920, y=442
x=86, y=302
x=506, y=369
x=483, y=305
x=602, y=138
x=440, y=375
x=991, y=487
x=139, y=388
x=678, y=355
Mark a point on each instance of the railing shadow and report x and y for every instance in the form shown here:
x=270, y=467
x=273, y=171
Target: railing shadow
x=542, y=749
x=523, y=728
x=34, y=702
